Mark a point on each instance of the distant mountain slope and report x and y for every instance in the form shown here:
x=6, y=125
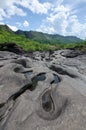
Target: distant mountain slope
x=48, y=38
x=6, y=33
x=5, y=28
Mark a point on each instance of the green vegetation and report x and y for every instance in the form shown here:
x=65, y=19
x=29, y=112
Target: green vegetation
x=48, y=38
x=38, y=41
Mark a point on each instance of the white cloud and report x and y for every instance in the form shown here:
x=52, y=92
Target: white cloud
x=63, y=20
x=14, y=28
x=76, y=28
x=56, y=20
x=62, y=16
x=8, y=9
x=76, y=2
x=45, y=29
x=35, y=6
x=25, y=24
x=13, y=10
x=62, y=8
x=2, y=14
x=6, y=3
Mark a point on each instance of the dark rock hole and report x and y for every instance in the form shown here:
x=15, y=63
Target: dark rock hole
x=39, y=77
x=28, y=73
x=47, y=103
x=17, y=69
x=1, y=105
x=56, y=79
x=62, y=71
x=22, y=90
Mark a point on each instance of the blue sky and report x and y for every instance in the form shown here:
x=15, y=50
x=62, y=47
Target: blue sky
x=65, y=17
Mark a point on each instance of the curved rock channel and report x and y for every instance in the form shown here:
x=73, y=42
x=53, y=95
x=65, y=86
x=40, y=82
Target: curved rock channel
x=43, y=92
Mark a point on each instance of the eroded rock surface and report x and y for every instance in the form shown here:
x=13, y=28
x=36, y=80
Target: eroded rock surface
x=45, y=92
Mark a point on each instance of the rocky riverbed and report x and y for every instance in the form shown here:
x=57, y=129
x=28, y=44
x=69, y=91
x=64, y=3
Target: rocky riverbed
x=43, y=90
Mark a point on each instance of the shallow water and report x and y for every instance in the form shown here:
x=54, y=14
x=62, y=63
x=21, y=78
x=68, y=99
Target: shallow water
x=56, y=78
x=47, y=103
x=39, y=77
x=28, y=73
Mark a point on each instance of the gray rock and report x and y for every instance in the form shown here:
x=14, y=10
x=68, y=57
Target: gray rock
x=40, y=95
x=70, y=53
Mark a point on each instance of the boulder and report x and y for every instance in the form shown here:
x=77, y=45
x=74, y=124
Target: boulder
x=70, y=53
x=12, y=47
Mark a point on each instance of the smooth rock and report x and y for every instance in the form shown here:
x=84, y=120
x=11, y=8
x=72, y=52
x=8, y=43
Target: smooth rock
x=39, y=95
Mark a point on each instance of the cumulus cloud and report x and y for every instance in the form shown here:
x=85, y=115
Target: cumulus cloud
x=61, y=16
x=48, y=29
x=8, y=9
x=13, y=10
x=56, y=21
x=14, y=28
x=26, y=23
x=75, y=27
x=11, y=7
x=35, y=6
x=2, y=14
x=64, y=20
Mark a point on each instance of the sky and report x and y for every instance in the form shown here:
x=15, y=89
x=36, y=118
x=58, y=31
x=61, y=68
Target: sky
x=64, y=17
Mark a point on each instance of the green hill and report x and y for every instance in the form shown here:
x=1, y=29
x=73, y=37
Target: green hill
x=48, y=38
x=32, y=40
x=9, y=36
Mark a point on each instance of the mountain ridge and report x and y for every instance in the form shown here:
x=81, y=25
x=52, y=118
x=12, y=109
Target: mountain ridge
x=48, y=38
x=41, y=37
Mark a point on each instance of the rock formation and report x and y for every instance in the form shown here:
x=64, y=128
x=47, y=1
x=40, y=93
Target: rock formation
x=44, y=92
x=12, y=47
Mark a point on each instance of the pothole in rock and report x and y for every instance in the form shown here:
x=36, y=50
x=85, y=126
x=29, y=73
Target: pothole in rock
x=51, y=105
x=1, y=66
x=18, y=69
x=56, y=79
x=28, y=73
x=21, y=62
x=62, y=71
x=47, y=102
x=1, y=105
x=30, y=86
x=39, y=77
